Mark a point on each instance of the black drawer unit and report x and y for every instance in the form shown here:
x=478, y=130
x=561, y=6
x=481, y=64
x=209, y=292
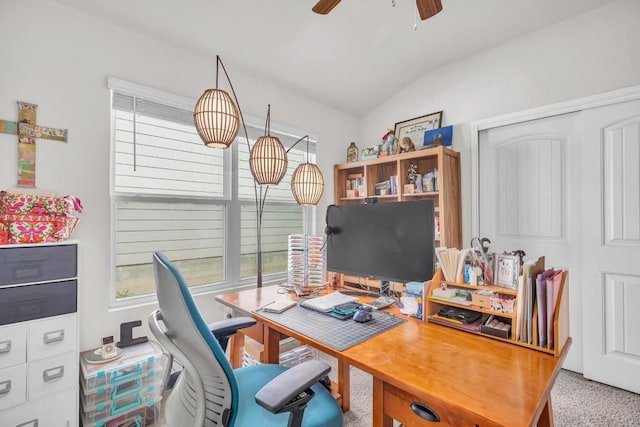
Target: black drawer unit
x=33, y=264
x=31, y=302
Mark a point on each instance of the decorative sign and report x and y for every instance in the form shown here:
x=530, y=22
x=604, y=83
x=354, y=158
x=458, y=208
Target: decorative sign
x=27, y=132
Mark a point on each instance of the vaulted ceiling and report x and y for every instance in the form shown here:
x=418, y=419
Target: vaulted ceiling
x=351, y=59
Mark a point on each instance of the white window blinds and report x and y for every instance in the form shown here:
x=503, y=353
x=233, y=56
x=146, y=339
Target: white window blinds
x=158, y=151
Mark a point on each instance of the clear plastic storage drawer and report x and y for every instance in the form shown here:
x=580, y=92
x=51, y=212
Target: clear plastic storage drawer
x=130, y=412
x=143, y=388
x=137, y=361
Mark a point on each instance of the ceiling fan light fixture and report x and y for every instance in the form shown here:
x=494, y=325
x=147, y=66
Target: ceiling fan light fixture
x=216, y=118
x=307, y=184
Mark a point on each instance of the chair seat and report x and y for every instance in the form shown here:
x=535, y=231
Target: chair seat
x=326, y=413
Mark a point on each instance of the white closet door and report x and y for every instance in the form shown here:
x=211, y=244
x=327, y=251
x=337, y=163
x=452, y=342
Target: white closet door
x=529, y=199
x=611, y=251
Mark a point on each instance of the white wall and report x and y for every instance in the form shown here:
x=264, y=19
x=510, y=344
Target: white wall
x=60, y=59
x=588, y=54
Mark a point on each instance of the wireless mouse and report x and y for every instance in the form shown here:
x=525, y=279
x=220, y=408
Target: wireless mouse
x=362, y=316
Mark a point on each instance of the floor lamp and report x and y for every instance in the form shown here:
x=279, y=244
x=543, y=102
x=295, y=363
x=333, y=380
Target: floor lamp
x=217, y=119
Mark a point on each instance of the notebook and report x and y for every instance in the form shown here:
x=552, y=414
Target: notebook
x=279, y=306
x=326, y=303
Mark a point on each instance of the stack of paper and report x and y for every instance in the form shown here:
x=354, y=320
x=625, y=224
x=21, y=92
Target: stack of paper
x=326, y=303
x=451, y=262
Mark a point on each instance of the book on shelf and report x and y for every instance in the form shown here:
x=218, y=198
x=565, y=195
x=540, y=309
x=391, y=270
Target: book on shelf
x=553, y=285
x=451, y=262
x=526, y=300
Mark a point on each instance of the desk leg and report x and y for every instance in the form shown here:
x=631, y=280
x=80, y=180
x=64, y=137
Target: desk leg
x=237, y=342
x=379, y=417
x=271, y=345
x=546, y=417
x=344, y=384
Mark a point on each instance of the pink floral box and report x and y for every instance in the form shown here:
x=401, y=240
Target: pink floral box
x=38, y=229
x=36, y=219
x=31, y=204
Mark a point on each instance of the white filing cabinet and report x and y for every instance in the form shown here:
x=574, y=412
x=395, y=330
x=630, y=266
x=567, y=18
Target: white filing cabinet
x=39, y=335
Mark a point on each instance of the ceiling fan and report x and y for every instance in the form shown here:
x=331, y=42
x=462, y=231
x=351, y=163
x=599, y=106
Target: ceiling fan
x=426, y=8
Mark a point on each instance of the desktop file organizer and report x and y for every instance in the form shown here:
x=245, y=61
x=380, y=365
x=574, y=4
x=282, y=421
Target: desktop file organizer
x=306, y=261
x=124, y=391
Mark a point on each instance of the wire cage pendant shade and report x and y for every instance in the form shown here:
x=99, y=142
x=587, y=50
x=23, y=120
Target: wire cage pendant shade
x=307, y=184
x=216, y=118
x=268, y=160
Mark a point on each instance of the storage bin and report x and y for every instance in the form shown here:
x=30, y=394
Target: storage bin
x=140, y=360
x=131, y=414
x=145, y=387
x=497, y=326
x=502, y=303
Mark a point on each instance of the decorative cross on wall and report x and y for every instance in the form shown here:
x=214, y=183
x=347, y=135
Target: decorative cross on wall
x=27, y=132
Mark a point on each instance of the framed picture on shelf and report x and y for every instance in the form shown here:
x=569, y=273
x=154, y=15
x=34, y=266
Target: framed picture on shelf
x=506, y=271
x=369, y=153
x=415, y=128
x=438, y=136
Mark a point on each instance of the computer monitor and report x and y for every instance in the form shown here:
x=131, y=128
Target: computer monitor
x=388, y=241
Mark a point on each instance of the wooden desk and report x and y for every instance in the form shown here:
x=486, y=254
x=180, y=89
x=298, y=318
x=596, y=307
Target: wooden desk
x=465, y=379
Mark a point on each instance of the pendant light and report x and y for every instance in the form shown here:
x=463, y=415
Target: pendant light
x=307, y=182
x=268, y=158
x=216, y=116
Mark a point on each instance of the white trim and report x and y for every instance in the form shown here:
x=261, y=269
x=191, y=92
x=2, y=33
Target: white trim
x=592, y=101
x=186, y=103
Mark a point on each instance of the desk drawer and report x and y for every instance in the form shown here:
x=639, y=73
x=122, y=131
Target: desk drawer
x=58, y=410
x=13, y=386
x=37, y=264
x=52, y=336
x=30, y=302
x=52, y=375
x=397, y=404
x=13, y=345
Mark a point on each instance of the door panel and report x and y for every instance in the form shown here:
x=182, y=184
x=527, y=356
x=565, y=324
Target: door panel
x=611, y=224
x=568, y=187
x=529, y=200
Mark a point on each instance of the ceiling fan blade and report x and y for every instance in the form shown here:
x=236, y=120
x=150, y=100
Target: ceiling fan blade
x=428, y=8
x=324, y=6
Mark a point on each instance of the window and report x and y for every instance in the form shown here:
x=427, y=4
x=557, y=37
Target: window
x=196, y=204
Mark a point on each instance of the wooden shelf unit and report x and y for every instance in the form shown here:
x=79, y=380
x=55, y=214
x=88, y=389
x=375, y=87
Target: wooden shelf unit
x=560, y=318
x=447, y=199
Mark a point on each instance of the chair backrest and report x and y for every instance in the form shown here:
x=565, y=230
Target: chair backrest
x=189, y=333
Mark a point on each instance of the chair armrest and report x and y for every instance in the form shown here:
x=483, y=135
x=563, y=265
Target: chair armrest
x=284, y=388
x=228, y=327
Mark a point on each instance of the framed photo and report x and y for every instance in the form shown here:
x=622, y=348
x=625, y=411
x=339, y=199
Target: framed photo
x=415, y=128
x=369, y=153
x=439, y=136
x=506, y=271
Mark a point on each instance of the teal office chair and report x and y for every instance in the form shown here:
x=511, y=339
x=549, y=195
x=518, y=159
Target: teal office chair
x=209, y=392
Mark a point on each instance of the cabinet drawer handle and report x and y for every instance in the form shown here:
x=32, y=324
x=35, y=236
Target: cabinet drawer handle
x=5, y=387
x=53, y=373
x=53, y=336
x=5, y=346
x=424, y=412
x=32, y=423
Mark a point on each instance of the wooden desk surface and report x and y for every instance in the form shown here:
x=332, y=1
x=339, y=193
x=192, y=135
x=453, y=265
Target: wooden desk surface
x=497, y=382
